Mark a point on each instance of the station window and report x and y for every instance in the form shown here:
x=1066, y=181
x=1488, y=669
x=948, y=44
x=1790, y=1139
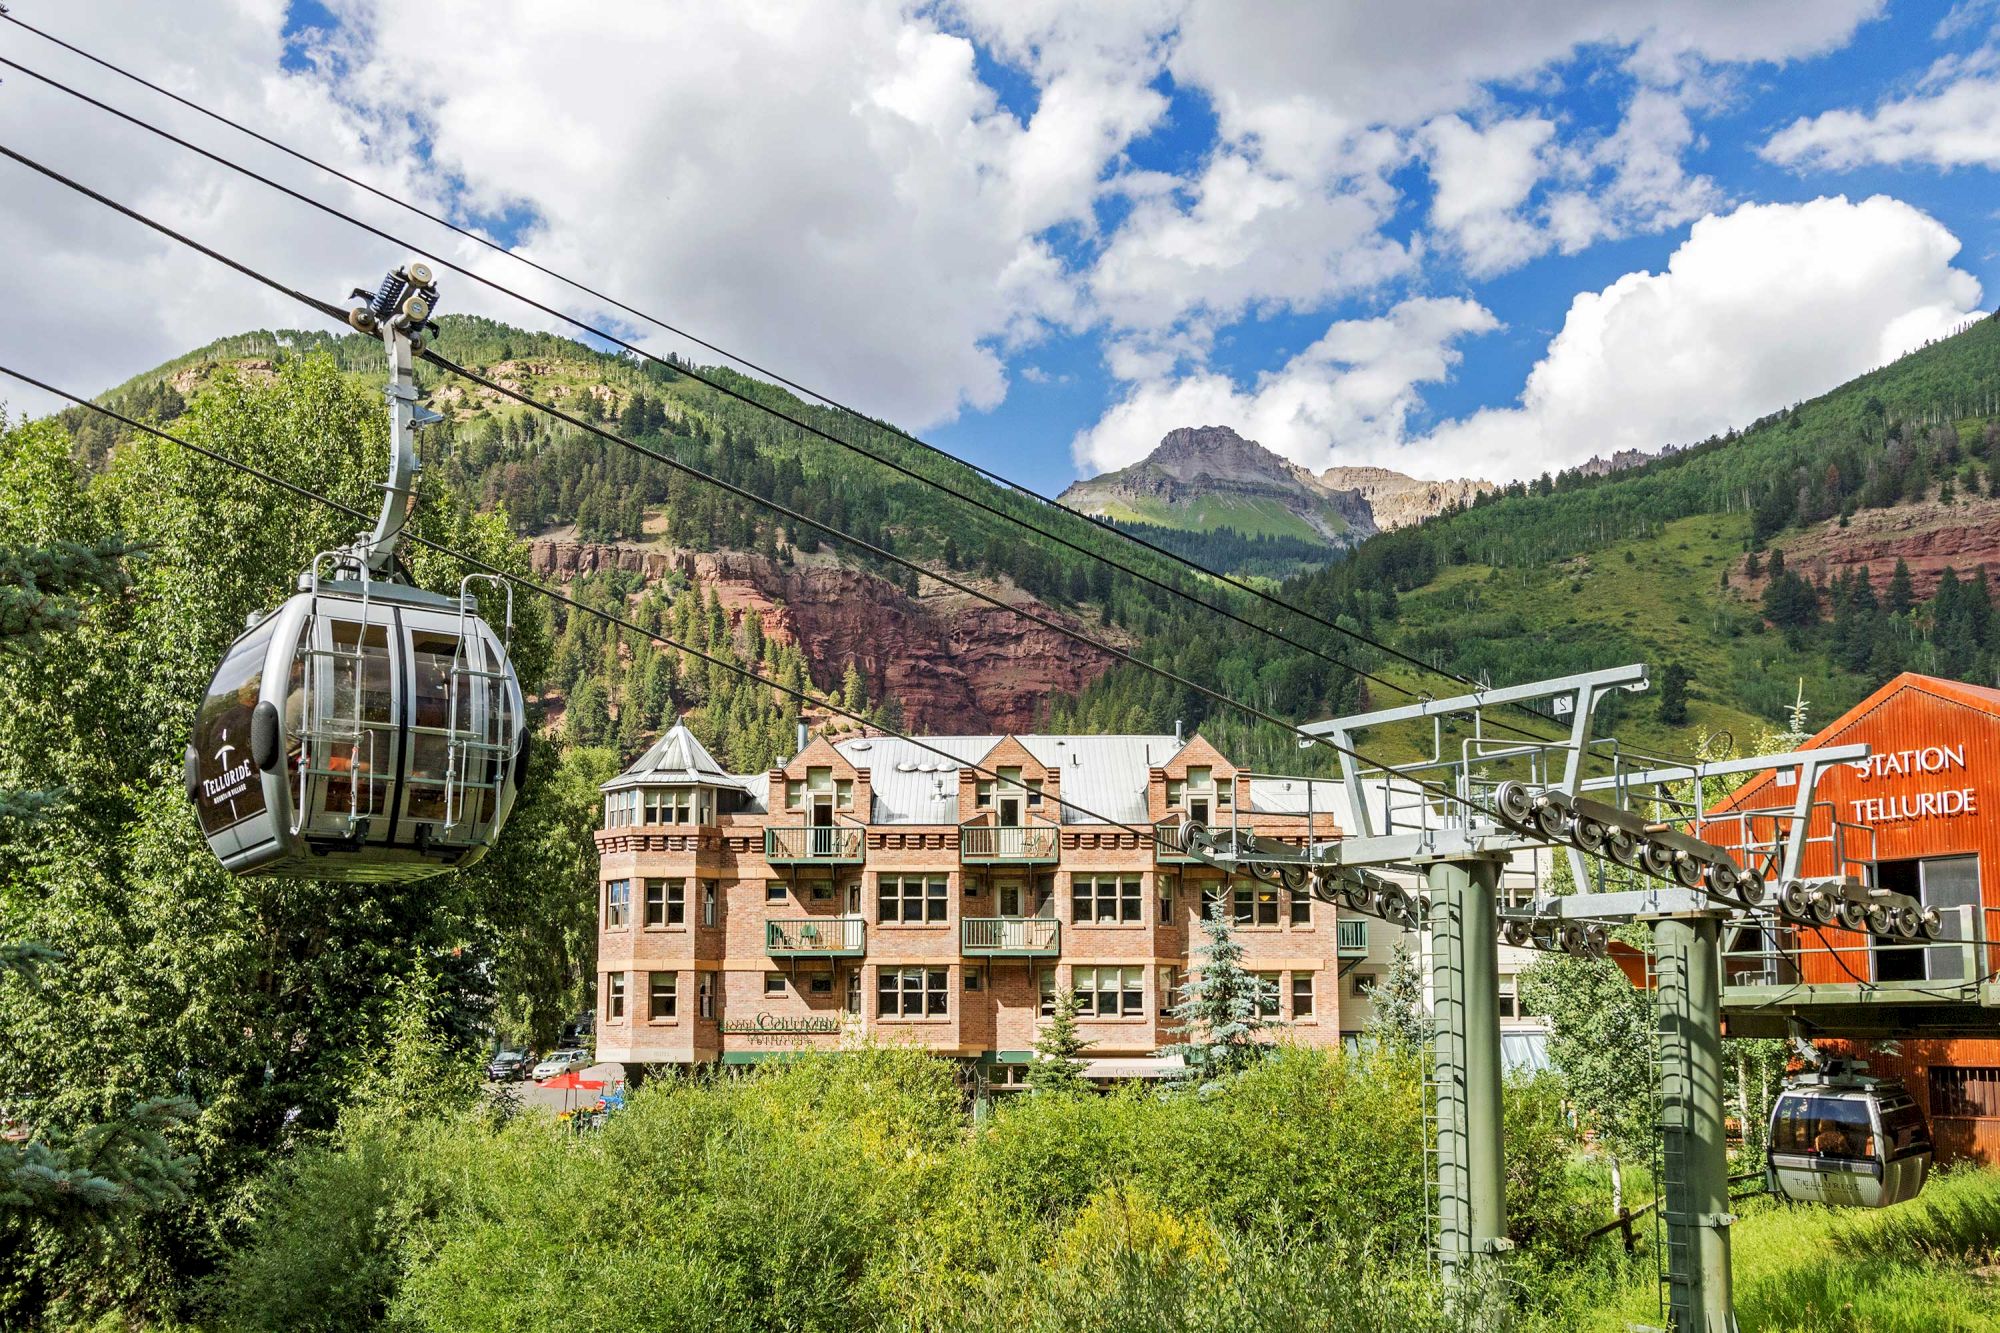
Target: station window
x=1045, y=984
x=1510, y=1007
x=614, y=996
x=617, y=904
x=1267, y=993
x=704, y=993
x=1170, y=989
x=1104, y=898
x=774, y=983
x=912, y=992
x=774, y=891
x=1302, y=995
x=666, y=902
x=911, y=897
x=663, y=996
x=676, y=805
x=820, y=983
x=708, y=904
x=975, y=979
x=1302, y=908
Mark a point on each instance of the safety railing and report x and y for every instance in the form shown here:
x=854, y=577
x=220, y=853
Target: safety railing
x=1007, y=936
x=994, y=843
x=813, y=845
x=815, y=937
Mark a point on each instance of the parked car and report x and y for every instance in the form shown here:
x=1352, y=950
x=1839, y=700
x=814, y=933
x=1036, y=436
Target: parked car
x=508, y=1067
x=561, y=1062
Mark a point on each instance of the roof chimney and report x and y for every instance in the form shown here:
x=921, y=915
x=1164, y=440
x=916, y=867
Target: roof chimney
x=1177, y=731
x=801, y=739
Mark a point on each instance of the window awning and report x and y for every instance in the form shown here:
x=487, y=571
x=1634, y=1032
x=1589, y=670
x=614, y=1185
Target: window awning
x=1144, y=1066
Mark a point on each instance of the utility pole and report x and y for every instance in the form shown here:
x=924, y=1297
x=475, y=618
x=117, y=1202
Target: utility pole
x=1465, y=987
x=1687, y=959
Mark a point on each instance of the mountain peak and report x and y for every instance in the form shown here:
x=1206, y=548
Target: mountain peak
x=1218, y=452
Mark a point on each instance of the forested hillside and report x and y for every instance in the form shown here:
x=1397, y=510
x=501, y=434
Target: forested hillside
x=1672, y=563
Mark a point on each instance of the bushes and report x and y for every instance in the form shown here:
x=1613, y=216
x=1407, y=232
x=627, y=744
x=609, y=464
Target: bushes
x=850, y=1191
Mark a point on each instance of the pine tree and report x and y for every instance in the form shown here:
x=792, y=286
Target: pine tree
x=853, y=689
x=1056, y=1068
x=1673, y=695
x=1901, y=598
x=1401, y=1020
x=1221, y=1012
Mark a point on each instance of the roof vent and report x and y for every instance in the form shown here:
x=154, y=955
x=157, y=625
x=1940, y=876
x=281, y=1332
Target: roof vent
x=862, y=745
x=905, y=766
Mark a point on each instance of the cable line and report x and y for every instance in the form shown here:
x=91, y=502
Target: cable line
x=565, y=599
x=750, y=400
x=336, y=313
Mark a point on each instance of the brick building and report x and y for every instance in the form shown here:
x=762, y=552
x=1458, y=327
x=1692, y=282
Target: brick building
x=873, y=889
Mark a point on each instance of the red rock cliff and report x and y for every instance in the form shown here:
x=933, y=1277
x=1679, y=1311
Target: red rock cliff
x=955, y=664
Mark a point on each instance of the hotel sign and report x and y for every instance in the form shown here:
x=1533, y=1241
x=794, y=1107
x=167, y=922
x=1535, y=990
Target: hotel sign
x=1948, y=802
x=808, y=1025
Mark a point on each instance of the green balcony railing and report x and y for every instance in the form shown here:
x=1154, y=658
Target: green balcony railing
x=813, y=845
x=1167, y=844
x=991, y=843
x=1010, y=936
x=1352, y=936
x=815, y=937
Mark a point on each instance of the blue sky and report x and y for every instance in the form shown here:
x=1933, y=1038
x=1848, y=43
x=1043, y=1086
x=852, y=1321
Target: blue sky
x=1449, y=237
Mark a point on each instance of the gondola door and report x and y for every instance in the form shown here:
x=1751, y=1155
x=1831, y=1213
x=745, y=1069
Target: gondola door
x=348, y=747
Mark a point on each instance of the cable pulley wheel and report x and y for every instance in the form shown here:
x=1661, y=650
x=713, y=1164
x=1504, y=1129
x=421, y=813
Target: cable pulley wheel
x=1552, y=822
x=1622, y=847
x=1853, y=915
x=1750, y=888
x=1656, y=860
x=1515, y=804
x=1588, y=836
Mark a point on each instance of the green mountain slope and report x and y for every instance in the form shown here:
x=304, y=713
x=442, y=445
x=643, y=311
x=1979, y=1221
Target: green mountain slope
x=1656, y=564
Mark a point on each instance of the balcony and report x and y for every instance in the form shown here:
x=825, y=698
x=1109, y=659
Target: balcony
x=1010, y=936
x=815, y=937
x=1352, y=937
x=813, y=845
x=1167, y=844
x=988, y=844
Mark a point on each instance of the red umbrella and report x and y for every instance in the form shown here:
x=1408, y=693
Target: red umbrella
x=571, y=1081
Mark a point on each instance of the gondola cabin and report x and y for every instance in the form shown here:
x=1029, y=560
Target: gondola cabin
x=1842, y=1138
x=363, y=731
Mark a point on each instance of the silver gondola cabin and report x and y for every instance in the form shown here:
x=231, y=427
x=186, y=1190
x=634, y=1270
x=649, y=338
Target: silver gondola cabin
x=366, y=730
x=1841, y=1137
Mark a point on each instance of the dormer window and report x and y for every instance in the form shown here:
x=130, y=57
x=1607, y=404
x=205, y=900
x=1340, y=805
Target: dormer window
x=621, y=809
x=1009, y=794
x=1200, y=794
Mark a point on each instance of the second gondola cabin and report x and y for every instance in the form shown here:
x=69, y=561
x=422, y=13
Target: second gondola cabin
x=363, y=731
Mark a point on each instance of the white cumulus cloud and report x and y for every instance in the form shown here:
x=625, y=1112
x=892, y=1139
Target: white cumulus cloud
x=1757, y=308
x=1345, y=399
x=1957, y=125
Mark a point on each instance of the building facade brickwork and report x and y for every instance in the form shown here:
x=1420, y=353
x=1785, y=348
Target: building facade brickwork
x=877, y=890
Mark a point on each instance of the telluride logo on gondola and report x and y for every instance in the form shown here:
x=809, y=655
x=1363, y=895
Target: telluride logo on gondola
x=813, y=1023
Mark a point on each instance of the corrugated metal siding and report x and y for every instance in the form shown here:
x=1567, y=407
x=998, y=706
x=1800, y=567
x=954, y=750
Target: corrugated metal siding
x=1909, y=720
x=1910, y=717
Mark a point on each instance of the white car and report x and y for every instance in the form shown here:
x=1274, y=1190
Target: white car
x=561, y=1062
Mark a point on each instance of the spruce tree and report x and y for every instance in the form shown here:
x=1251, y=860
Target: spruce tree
x=1401, y=1021
x=1056, y=1068
x=1901, y=598
x=1221, y=1009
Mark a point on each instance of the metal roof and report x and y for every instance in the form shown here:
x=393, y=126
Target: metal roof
x=1105, y=775
x=676, y=757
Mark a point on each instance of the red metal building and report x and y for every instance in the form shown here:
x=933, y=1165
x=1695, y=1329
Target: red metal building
x=1921, y=816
